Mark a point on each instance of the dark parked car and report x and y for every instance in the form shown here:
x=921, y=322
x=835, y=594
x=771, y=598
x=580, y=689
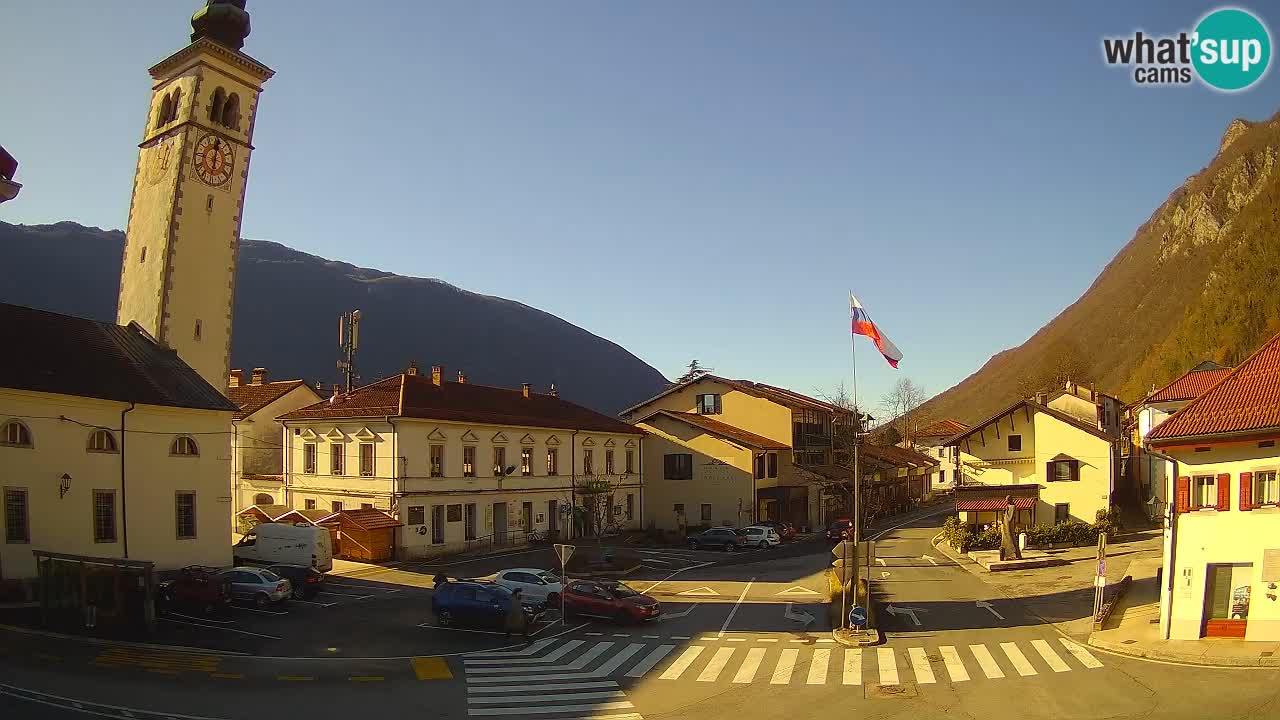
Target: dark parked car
x=476, y=603
x=836, y=530
x=726, y=539
x=198, y=588
x=306, y=582
x=611, y=600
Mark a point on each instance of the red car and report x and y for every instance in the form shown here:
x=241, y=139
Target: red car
x=198, y=588
x=611, y=600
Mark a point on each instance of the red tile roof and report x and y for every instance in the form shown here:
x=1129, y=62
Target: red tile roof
x=364, y=518
x=944, y=428
x=252, y=398
x=779, y=395
x=53, y=353
x=716, y=427
x=1247, y=398
x=416, y=396
x=895, y=455
x=1188, y=387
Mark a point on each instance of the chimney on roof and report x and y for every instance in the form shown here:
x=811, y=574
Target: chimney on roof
x=462, y=378
x=412, y=369
x=1039, y=398
x=236, y=379
x=437, y=375
x=319, y=387
x=553, y=392
x=258, y=376
x=524, y=389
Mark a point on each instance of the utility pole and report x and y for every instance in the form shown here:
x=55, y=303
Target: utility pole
x=349, y=342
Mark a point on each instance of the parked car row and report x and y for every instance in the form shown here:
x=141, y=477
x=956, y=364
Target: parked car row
x=208, y=589
x=485, y=603
x=762, y=536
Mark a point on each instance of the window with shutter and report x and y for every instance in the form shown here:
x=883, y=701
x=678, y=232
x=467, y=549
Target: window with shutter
x=1224, y=492
x=1246, y=491
x=1182, y=495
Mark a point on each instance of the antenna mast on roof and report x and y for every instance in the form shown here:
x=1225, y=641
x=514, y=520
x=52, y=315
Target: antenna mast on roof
x=349, y=342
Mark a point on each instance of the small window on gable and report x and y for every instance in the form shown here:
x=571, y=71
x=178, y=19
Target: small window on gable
x=184, y=445
x=15, y=434
x=102, y=441
x=216, y=105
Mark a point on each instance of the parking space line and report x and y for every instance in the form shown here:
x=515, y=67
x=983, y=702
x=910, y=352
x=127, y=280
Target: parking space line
x=256, y=610
x=162, y=671
x=366, y=678
x=362, y=587
x=430, y=626
x=358, y=597
x=312, y=602
x=200, y=619
x=224, y=629
x=295, y=678
x=227, y=676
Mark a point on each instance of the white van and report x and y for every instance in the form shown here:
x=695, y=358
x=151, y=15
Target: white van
x=271, y=543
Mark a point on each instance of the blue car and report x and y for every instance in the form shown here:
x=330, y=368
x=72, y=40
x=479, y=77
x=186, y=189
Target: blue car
x=474, y=603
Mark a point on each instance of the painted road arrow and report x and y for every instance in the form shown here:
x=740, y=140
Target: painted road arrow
x=682, y=613
x=800, y=615
x=908, y=611
x=882, y=562
x=930, y=558
x=796, y=590
x=704, y=590
x=986, y=605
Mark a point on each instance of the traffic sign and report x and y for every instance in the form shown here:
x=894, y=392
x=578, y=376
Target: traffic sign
x=845, y=572
x=858, y=616
x=564, y=552
x=847, y=550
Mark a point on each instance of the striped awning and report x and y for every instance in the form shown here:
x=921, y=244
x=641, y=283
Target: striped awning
x=993, y=504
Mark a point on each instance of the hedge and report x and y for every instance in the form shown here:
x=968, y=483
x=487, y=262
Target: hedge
x=1073, y=532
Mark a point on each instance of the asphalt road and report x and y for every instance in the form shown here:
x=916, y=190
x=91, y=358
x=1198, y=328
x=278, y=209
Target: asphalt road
x=738, y=641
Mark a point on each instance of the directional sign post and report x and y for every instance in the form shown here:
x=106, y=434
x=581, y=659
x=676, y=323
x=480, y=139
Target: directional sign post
x=564, y=552
x=846, y=554
x=858, y=616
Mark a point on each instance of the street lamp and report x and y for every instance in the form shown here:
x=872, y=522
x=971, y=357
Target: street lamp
x=64, y=486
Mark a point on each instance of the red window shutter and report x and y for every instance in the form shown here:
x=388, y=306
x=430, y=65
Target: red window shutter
x=1048, y=472
x=1075, y=470
x=1182, y=497
x=1224, y=492
x=1246, y=491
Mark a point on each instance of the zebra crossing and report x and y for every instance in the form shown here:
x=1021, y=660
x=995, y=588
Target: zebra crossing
x=558, y=678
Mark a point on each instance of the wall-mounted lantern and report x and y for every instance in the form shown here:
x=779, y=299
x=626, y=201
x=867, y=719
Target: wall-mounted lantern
x=64, y=486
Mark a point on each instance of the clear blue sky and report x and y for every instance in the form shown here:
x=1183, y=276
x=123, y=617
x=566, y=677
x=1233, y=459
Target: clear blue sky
x=688, y=179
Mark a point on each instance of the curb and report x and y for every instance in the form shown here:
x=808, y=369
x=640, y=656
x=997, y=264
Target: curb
x=1179, y=658
x=870, y=637
x=121, y=643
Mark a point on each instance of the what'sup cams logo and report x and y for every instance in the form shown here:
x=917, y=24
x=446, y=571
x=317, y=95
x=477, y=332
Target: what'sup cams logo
x=1229, y=50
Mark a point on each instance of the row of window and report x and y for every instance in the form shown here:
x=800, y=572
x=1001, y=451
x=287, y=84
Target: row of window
x=679, y=466
x=1202, y=492
x=436, y=456
x=17, y=434
x=338, y=458
x=706, y=511
x=335, y=505
x=224, y=109
x=17, y=516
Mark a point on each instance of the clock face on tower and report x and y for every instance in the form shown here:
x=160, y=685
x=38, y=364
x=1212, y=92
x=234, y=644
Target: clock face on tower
x=213, y=160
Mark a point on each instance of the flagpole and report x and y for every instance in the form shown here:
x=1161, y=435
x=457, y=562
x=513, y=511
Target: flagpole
x=857, y=423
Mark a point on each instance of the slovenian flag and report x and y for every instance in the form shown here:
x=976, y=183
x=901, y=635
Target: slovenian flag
x=862, y=325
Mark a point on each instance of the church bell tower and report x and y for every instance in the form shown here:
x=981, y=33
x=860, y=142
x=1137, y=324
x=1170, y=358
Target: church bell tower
x=179, y=271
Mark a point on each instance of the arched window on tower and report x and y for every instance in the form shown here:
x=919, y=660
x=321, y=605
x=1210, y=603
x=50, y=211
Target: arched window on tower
x=231, y=112
x=215, y=107
x=162, y=114
x=263, y=499
x=175, y=103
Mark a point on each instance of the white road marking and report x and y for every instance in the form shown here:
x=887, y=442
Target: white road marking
x=554, y=697
x=853, y=666
x=818, y=667
x=1077, y=651
x=1020, y=662
x=888, y=666
x=796, y=590
x=681, y=637
x=986, y=662
x=543, y=687
x=734, y=611
x=955, y=667
x=224, y=629
x=533, y=649
x=786, y=664
x=920, y=666
x=581, y=662
x=653, y=658
x=766, y=639
x=747, y=672
x=550, y=657
x=616, y=661
x=717, y=665
x=682, y=663
x=588, y=707
x=1051, y=658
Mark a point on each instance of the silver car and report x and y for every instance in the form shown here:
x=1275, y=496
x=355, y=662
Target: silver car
x=761, y=536
x=533, y=584
x=258, y=585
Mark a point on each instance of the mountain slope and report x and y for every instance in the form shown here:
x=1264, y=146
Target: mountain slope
x=286, y=310
x=1197, y=281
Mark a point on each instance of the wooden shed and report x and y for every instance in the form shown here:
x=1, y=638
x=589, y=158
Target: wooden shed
x=367, y=535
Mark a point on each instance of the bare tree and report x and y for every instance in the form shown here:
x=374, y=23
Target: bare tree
x=597, y=495
x=1062, y=362
x=902, y=403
